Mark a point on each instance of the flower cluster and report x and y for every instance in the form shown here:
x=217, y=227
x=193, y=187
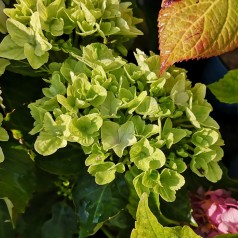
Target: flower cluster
x=215, y=212
x=128, y=118
x=37, y=27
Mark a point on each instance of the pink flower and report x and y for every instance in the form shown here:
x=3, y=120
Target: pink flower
x=215, y=212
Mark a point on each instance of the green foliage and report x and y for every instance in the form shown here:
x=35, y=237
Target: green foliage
x=62, y=224
x=226, y=88
x=147, y=225
x=17, y=177
x=96, y=204
x=3, y=133
x=110, y=140
x=36, y=28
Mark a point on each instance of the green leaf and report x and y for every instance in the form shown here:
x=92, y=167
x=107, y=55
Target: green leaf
x=105, y=172
x=34, y=60
x=85, y=129
x=170, y=181
x=6, y=229
x=117, y=137
x=1, y=155
x=10, y=50
x=145, y=156
x=205, y=137
x=110, y=105
x=214, y=172
x=56, y=87
x=191, y=29
x=17, y=178
x=54, y=136
x=47, y=143
x=19, y=33
x=180, y=209
x=3, y=134
x=3, y=18
x=226, y=89
x=95, y=204
x=147, y=225
x=172, y=135
x=62, y=224
x=67, y=161
x=100, y=54
x=3, y=64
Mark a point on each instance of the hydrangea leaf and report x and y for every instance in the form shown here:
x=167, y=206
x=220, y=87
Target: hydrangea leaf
x=95, y=203
x=84, y=129
x=47, y=143
x=3, y=64
x=144, y=130
x=226, y=88
x=19, y=33
x=62, y=163
x=214, y=172
x=151, y=178
x=1, y=155
x=34, y=60
x=191, y=29
x=148, y=107
x=139, y=186
x=201, y=112
x=170, y=181
x=56, y=87
x=99, y=54
x=54, y=135
x=10, y=50
x=17, y=165
x=38, y=114
x=63, y=222
x=201, y=160
x=3, y=134
x=147, y=224
x=117, y=137
x=145, y=156
x=105, y=172
x=205, y=137
x=172, y=135
x=96, y=95
x=3, y=18
x=6, y=227
x=110, y=105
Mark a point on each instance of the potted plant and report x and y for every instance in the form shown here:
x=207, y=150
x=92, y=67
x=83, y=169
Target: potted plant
x=96, y=142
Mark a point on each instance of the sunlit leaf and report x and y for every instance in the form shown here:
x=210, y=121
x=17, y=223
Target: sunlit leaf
x=3, y=64
x=147, y=225
x=191, y=29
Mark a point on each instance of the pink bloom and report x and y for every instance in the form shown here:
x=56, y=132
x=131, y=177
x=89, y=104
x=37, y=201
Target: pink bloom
x=215, y=212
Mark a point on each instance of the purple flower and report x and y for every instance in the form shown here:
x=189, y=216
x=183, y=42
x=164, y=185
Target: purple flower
x=215, y=212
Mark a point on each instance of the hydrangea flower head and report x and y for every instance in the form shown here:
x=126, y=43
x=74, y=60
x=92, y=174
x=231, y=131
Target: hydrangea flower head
x=215, y=212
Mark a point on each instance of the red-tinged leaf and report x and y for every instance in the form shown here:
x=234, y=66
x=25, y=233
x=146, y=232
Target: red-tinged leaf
x=190, y=29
